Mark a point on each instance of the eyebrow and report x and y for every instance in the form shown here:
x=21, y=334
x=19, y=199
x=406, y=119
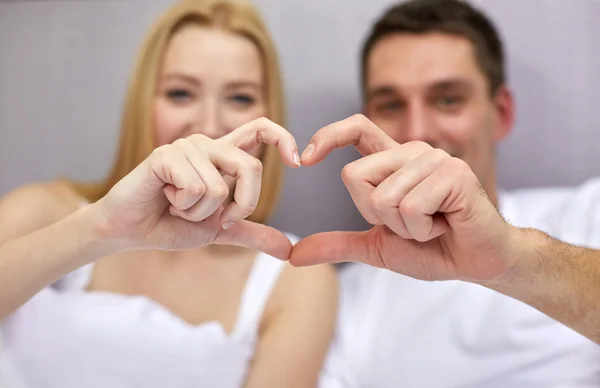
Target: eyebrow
x=245, y=84
x=452, y=84
x=381, y=92
x=181, y=76
x=440, y=86
x=195, y=81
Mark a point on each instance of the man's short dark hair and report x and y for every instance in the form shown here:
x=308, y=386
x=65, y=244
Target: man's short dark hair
x=454, y=17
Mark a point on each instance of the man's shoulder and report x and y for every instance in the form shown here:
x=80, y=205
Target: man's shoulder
x=567, y=213
x=590, y=185
x=548, y=196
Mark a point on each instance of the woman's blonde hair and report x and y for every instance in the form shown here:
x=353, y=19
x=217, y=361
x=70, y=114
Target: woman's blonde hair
x=137, y=133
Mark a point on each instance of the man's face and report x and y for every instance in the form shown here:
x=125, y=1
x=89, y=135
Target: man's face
x=429, y=87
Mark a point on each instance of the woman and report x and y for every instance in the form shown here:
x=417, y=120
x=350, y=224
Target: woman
x=143, y=310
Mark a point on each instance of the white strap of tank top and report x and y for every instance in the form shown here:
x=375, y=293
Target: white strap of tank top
x=259, y=286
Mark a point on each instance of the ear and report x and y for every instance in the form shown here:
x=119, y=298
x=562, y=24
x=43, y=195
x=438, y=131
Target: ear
x=505, y=109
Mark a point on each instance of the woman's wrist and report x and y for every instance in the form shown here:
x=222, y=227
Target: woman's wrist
x=95, y=237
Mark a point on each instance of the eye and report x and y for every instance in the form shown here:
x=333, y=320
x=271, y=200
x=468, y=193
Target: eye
x=242, y=99
x=392, y=105
x=449, y=101
x=179, y=95
x=389, y=106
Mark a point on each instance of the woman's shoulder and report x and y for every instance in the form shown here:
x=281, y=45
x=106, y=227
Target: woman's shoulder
x=304, y=297
x=57, y=192
x=36, y=205
x=58, y=195
x=313, y=280
x=305, y=285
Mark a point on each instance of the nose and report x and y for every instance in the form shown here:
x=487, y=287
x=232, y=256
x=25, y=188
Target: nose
x=418, y=124
x=208, y=120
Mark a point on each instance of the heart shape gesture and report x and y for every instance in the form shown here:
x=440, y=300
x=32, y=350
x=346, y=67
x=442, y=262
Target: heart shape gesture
x=432, y=219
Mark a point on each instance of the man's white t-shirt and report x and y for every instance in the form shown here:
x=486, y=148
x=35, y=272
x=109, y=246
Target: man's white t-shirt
x=394, y=331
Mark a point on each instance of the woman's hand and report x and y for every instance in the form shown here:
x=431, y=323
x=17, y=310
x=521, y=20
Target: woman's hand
x=175, y=198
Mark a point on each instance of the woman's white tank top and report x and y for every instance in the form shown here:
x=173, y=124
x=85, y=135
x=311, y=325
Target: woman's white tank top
x=66, y=337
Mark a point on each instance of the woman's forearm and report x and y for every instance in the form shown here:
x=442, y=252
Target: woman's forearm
x=560, y=280
x=36, y=260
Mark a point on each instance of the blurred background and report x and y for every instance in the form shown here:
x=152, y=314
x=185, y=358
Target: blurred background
x=64, y=65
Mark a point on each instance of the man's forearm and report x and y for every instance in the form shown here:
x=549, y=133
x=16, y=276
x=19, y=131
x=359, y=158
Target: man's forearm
x=34, y=261
x=560, y=280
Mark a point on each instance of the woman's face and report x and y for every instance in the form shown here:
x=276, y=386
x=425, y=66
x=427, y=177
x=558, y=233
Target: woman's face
x=210, y=82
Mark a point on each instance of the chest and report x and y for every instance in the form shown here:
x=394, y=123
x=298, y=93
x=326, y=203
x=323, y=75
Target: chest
x=101, y=340
x=197, y=293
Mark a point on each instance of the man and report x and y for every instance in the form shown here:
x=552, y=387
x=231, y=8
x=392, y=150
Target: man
x=433, y=72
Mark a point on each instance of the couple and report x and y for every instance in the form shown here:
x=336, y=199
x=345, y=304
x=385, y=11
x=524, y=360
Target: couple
x=161, y=305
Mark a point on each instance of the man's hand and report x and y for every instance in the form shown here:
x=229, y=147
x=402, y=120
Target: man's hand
x=432, y=219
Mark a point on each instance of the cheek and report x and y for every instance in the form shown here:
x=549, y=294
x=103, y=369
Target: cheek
x=469, y=138
x=169, y=122
x=393, y=127
x=462, y=133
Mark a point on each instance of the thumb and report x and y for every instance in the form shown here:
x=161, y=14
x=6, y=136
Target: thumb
x=256, y=236
x=333, y=247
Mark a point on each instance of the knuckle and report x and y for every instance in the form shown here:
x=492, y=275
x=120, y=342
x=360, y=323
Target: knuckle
x=160, y=151
x=457, y=166
x=436, y=154
x=349, y=173
x=197, y=188
x=198, y=139
x=360, y=119
x=419, y=146
x=439, y=153
x=181, y=142
x=373, y=202
x=462, y=165
x=262, y=121
x=219, y=191
x=254, y=165
x=373, y=219
x=378, y=202
x=408, y=207
x=160, y=154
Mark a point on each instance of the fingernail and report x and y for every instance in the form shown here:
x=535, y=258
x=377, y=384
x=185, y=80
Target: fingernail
x=297, y=159
x=227, y=225
x=308, y=151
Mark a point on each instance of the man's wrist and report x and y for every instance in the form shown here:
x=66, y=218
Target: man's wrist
x=522, y=257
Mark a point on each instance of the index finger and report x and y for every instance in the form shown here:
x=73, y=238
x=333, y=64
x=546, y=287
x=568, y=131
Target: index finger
x=357, y=130
x=264, y=131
